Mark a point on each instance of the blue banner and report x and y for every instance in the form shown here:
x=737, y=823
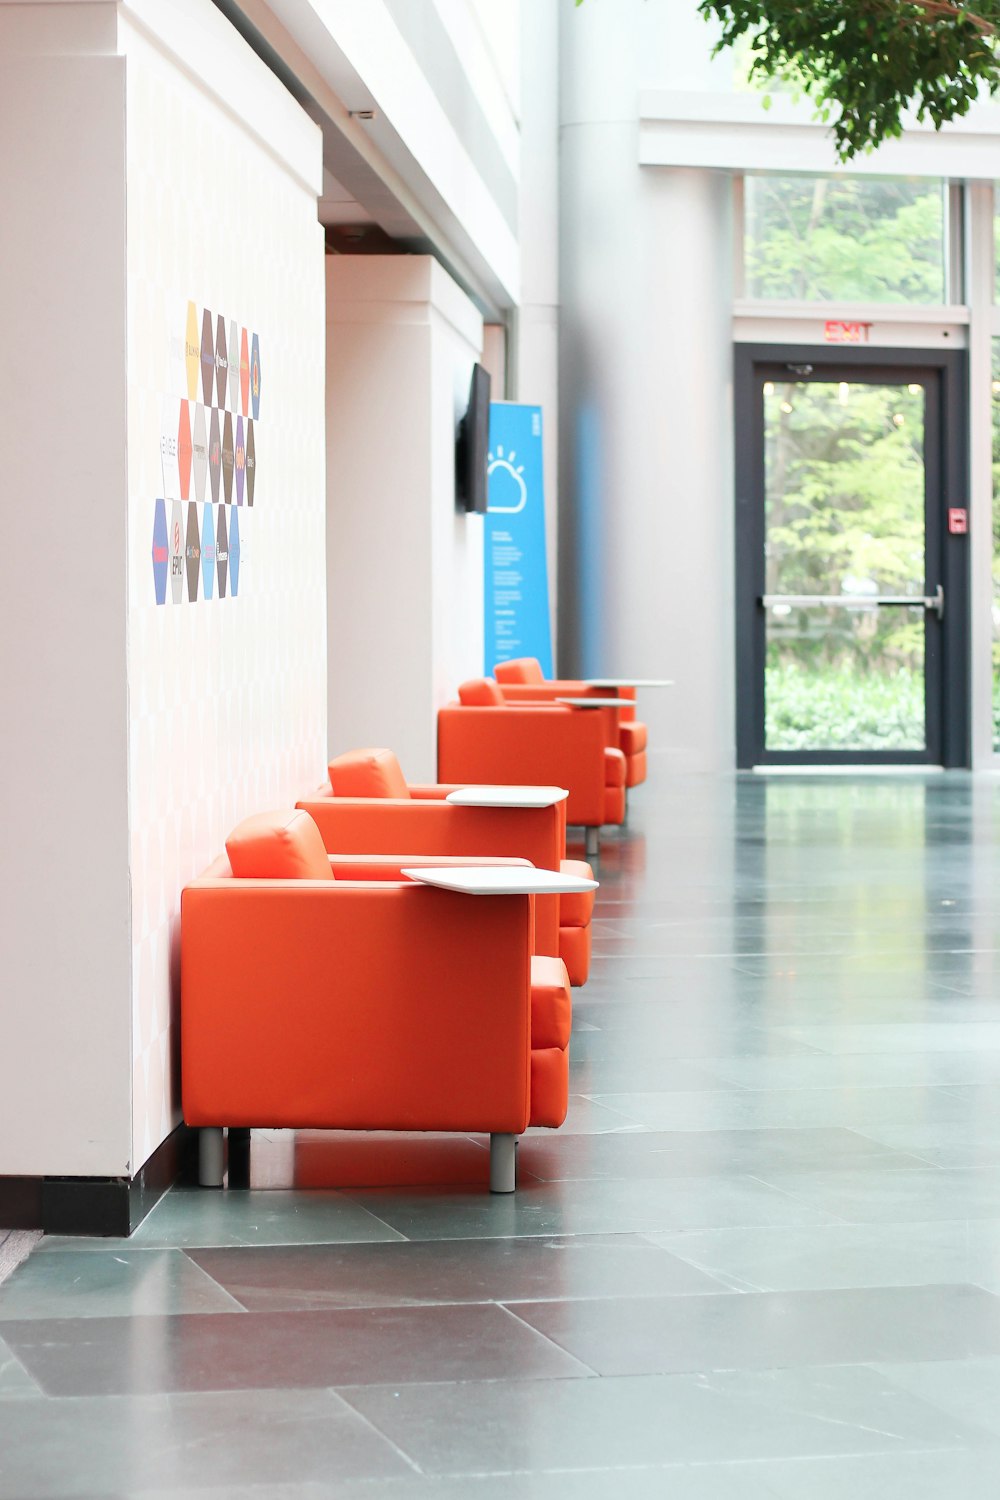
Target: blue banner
x=516, y=582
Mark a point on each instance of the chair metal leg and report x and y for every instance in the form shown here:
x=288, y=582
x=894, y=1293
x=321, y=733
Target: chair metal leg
x=593, y=842
x=211, y=1156
x=502, y=1163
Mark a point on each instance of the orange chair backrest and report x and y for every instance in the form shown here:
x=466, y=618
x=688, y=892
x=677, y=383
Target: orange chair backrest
x=480, y=692
x=278, y=846
x=367, y=773
x=525, y=670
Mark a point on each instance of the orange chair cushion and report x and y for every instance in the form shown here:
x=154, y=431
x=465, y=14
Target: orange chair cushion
x=614, y=768
x=632, y=737
x=551, y=1003
x=574, y=950
x=614, y=804
x=577, y=908
x=523, y=669
x=635, y=771
x=549, y=1086
x=480, y=692
x=278, y=846
x=367, y=773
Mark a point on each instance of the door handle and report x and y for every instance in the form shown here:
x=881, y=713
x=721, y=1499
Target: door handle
x=934, y=602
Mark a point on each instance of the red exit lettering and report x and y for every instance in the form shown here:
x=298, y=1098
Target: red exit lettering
x=836, y=331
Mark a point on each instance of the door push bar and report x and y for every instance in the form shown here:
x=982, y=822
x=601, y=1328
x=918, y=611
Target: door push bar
x=933, y=602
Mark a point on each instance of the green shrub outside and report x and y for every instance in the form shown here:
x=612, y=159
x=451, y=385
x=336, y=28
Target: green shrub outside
x=840, y=708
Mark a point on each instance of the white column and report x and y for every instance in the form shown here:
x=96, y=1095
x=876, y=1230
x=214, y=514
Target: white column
x=404, y=569
x=646, y=501
x=65, y=1053
x=536, y=323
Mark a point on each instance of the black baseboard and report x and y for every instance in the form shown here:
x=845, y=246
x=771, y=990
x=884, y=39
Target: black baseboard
x=96, y=1205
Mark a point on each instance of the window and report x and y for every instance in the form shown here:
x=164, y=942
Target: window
x=996, y=544
x=849, y=239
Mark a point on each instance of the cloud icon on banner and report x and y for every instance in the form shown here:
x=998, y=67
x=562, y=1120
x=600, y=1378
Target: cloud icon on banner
x=512, y=484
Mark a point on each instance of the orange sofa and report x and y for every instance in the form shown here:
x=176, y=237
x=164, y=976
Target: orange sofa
x=311, y=1001
x=368, y=807
x=484, y=739
x=521, y=681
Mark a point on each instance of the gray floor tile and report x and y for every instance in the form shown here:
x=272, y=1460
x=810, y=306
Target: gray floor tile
x=700, y=1153
x=862, y=1109
x=635, y=1421
x=897, y=1197
x=765, y=1330
x=971, y=1036
x=14, y=1378
x=282, y=1350
x=969, y=1387
x=589, y=1207
x=110, y=1283
x=269, y=1278
x=845, y=1255
x=962, y=1475
x=193, y=1216
x=706, y=1482
x=107, y=1446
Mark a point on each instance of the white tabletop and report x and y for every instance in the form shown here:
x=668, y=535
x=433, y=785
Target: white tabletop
x=501, y=880
x=625, y=682
x=597, y=702
x=507, y=796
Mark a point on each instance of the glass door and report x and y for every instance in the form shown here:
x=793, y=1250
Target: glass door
x=841, y=563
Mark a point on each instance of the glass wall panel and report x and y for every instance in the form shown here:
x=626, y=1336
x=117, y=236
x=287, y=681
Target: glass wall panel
x=848, y=239
x=844, y=519
x=996, y=544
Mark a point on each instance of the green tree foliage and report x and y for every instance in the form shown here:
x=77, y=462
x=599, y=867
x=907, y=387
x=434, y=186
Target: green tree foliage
x=854, y=239
x=864, y=62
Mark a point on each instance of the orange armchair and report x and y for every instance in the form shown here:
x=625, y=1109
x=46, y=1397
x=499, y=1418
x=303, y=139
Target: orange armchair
x=367, y=807
x=484, y=739
x=313, y=1002
x=521, y=681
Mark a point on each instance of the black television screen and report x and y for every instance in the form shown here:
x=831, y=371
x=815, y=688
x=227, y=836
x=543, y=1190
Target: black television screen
x=472, y=445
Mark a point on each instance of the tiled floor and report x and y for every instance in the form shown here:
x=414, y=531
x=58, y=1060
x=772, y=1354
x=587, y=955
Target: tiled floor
x=762, y=1259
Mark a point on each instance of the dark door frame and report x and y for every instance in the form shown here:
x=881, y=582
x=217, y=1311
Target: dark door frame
x=953, y=668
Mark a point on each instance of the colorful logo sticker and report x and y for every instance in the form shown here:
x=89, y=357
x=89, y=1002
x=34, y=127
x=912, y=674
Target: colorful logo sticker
x=207, y=359
x=234, y=367
x=192, y=352
x=251, y=461
x=227, y=457
x=244, y=371
x=215, y=456
x=255, y=379
x=176, y=552
x=240, y=460
x=221, y=551
x=192, y=554
x=221, y=363
x=199, y=452
x=184, y=449
x=208, y=552
x=160, y=552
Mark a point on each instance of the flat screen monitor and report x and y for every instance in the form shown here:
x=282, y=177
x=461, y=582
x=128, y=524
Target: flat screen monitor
x=472, y=445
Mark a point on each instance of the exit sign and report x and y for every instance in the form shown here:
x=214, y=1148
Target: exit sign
x=836, y=331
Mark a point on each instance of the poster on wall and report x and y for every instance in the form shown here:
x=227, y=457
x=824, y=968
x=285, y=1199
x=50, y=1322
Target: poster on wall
x=516, y=582
x=208, y=462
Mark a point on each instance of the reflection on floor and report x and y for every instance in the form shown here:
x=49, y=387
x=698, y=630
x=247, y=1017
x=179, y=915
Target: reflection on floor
x=762, y=1259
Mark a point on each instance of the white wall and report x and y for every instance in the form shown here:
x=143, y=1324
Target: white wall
x=228, y=694
x=64, y=918
x=405, y=606
x=137, y=733
x=646, y=550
